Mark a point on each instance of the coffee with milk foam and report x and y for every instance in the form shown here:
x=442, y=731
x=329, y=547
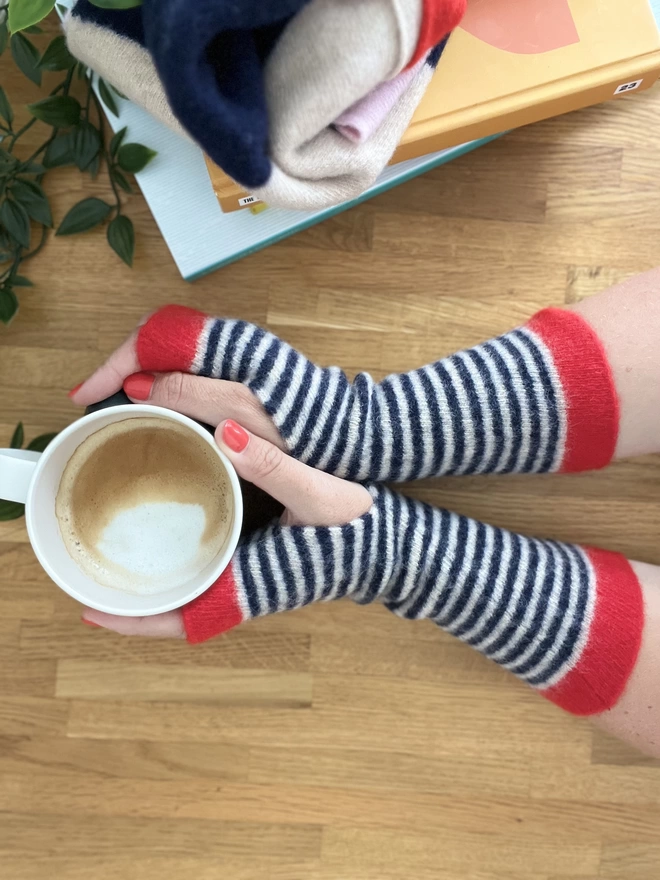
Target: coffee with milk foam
x=144, y=505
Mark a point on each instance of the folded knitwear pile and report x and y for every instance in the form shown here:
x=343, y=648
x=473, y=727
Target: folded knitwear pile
x=302, y=102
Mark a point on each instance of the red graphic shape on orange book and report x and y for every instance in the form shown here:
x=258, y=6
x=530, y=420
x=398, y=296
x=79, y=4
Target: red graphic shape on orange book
x=525, y=27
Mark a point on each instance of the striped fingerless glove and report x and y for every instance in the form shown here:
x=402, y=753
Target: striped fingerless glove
x=566, y=620
x=539, y=399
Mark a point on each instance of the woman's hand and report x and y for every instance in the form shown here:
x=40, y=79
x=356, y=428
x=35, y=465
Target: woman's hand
x=206, y=400
x=310, y=498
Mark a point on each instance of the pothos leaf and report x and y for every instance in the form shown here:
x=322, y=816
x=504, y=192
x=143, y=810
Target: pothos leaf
x=18, y=436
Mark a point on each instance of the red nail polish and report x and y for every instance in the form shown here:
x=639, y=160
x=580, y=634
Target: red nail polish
x=90, y=623
x=139, y=385
x=75, y=390
x=234, y=436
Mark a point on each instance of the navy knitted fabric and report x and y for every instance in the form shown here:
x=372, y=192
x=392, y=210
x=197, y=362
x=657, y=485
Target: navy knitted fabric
x=209, y=55
x=497, y=408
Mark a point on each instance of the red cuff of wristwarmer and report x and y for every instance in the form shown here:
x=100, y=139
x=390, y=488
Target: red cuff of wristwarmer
x=439, y=18
x=599, y=678
x=215, y=611
x=592, y=402
x=170, y=338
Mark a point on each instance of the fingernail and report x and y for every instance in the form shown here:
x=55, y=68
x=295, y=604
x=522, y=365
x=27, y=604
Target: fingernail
x=90, y=623
x=139, y=385
x=234, y=436
x=75, y=390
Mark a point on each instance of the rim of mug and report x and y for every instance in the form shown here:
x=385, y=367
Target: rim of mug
x=134, y=410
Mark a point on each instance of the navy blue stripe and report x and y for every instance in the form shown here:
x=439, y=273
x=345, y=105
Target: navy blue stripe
x=450, y=580
x=250, y=587
x=248, y=354
x=366, y=562
x=497, y=613
x=348, y=557
x=469, y=581
x=497, y=422
x=485, y=596
x=274, y=402
x=268, y=577
x=265, y=366
x=533, y=409
x=515, y=413
x=236, y=333
x=377, y=578
x=306, y=564
x=422, y=515
x=291, y=420
x=455, y=414
x=324, y=542
x=211, y=349
x=518, y=613
x=313, y=417
x=401, y=544
x=396, y=460
x=558, y=605
x=477, y=426
x=442, y=521
x=437, y=428
x=341, y=391
x=375, y=464
x=289, y=581
x=577, y=622
x=550, y=397
x=363, y=388
x=414, y=427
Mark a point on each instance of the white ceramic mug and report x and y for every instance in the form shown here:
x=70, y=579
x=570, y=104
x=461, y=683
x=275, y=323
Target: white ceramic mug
x=33, y=478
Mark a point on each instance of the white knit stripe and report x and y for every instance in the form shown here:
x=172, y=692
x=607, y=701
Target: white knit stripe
x=583, y=639
x=396, y=541
x=541, y=399
x=254, y=565
x=352, y=429
x=567, y=618
x=326, y=413
x=521, y=396
x=339, y=425
x=314, y=550
x=384, y=467
x=445, y=416
x=445, y=568
x=202, y=344
x=280, y=581
x=241, y=597
x=506, y=615
x=426, y=426
x=522, y=628
x=300, y=425
x=298, y=585
x=408, y=461
x=418, y=546
x=456, y=588
x=366, y=467
x=466, y=415
x=483, y=577
x=504, y=407
x=440, y=522
x=276, y=370
x=357, y=553
x=239, y=349
x=498, y=588
x=384, y=509
x=337, y=555
x=290, y=394
x=562, y=407
x=486, y=413
x=223, y=339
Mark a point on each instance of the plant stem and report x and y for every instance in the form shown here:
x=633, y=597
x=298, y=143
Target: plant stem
x=106, y=154
x=42, y=242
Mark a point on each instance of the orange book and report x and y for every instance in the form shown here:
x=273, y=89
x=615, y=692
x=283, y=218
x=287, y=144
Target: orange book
x=514, y=62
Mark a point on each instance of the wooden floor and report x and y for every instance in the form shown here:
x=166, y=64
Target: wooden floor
x=337, y=743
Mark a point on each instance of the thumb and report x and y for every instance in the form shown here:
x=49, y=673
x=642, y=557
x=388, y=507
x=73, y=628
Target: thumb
x=311, y=497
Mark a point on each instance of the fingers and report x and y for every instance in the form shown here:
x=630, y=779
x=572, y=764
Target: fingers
x=160, y=626
x=109, y=378
x=311, y=497
x=207, y=400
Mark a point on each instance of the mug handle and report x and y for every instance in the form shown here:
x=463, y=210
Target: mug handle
x=17, y=467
